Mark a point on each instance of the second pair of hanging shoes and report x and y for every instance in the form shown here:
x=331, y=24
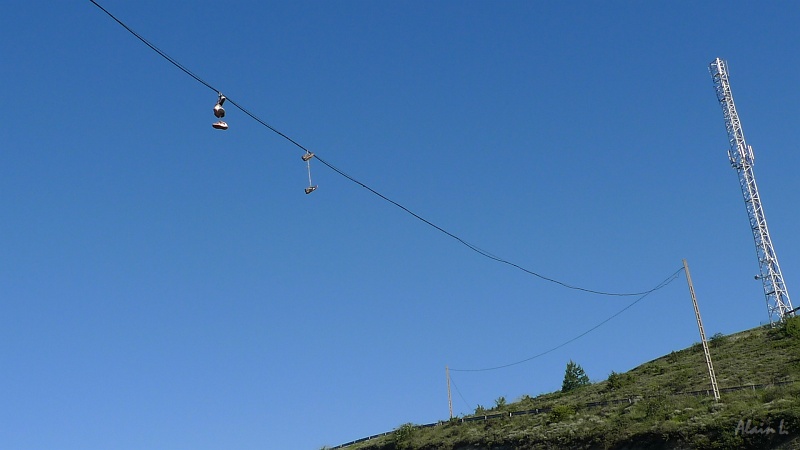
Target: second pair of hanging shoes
x=219, y=112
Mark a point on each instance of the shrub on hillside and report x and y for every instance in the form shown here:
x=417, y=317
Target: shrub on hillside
x=617, y=381
x=718, y=339
x=672, y=358
x=791, y=327
x=788, y=328
x=560, y=412
x=403, y=435
x=654, y=408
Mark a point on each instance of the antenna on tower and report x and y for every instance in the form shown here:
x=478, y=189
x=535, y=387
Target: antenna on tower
x=779, y=307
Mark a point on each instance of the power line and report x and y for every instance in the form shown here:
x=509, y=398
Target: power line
x=472, y=247
x=459, y=393
x=154, y=48
x=660, y=285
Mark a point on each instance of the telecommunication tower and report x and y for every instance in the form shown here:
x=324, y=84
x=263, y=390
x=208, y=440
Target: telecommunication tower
x=741, y=157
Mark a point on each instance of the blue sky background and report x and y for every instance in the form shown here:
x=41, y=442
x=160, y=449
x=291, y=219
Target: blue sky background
x=169, y=286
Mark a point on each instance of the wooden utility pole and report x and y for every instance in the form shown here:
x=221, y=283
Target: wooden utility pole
x=702, y=333
x=449, y=397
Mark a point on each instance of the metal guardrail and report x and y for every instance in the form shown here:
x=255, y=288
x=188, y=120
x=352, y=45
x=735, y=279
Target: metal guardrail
x=629, y=400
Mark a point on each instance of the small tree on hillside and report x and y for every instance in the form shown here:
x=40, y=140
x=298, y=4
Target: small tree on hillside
x=574, y=377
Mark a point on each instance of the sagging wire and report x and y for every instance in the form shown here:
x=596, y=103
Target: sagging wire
x=312, y=188
x=459, y=393
x=664, y=283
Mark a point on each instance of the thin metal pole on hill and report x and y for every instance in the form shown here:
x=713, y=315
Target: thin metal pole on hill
x=449, y=397
x=702, y=333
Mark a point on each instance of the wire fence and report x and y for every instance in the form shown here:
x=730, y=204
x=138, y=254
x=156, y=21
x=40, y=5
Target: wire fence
x=544, y=410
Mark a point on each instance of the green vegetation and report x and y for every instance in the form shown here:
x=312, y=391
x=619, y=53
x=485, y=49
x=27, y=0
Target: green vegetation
x=574, y=377
x=717, y=340
x=403, y=436
x=662, y=404
x=560, y=412
x=617, y=381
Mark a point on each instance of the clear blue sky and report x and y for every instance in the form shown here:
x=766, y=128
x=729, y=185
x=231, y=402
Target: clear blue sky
x=165, y=285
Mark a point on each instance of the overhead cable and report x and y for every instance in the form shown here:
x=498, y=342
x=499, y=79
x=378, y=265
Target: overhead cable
x=459, y=393
x=660, y=285
x=472, y=247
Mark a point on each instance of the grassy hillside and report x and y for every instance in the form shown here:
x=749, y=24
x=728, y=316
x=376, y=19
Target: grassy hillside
x=657, y=410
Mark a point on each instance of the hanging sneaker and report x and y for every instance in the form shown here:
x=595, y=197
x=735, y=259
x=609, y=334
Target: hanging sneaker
x=310, y=189
x=219, y=111
x=220, y=125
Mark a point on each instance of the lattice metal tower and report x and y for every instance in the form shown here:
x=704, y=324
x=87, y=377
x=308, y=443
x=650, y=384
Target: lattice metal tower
x=741, y=156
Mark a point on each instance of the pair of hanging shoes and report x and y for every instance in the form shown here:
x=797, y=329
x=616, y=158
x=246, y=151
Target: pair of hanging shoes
x=307, y=158
x=219, y=112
